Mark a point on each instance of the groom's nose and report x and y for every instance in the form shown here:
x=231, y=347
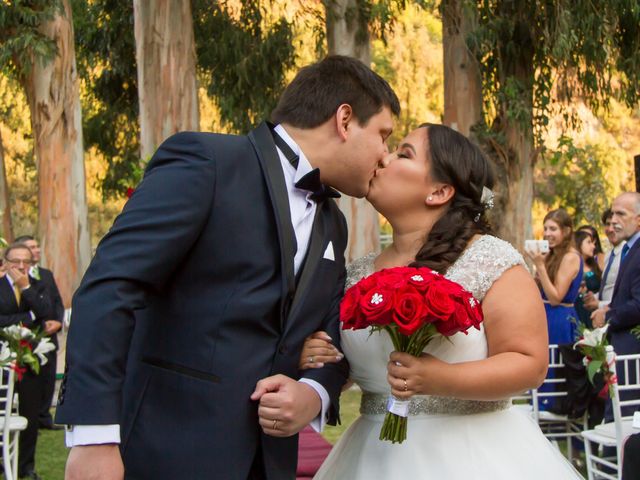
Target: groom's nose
x=386, y=160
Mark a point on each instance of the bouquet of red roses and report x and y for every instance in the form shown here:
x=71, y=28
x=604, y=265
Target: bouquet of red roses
x=413, y=305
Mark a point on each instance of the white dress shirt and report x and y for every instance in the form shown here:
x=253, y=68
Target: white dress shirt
x=303, y=211
x=607, y=290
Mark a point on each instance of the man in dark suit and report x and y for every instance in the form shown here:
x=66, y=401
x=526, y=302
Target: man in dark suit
x=24, y=300
x=51, y=328
x=623, y=313
x=187, y=327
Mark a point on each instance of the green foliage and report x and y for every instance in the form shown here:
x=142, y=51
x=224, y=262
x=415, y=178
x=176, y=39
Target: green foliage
x=244, y=59
x=107, y=65
x=21, y=41
x=533, y=53
x=580, y=178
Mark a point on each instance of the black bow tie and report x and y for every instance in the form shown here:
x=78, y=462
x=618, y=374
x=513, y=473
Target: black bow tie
x=320, y=192
x=310, y=181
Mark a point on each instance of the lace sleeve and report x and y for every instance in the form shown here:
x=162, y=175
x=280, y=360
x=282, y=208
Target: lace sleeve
x=483, y=263
x=359, y=269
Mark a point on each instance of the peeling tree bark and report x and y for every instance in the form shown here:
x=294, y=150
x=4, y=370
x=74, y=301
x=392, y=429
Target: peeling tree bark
x=53, y=95
x=165, y=54
x=5, y=205
x=347, y=34
x=462, y=82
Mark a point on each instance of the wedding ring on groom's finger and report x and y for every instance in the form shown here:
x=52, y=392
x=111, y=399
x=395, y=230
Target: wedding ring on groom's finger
x=405, y=385
x=311, y=360
x=275, y=425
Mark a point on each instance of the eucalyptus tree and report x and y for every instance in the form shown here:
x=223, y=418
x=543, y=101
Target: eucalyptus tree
x=536, y=57
x=37, y=44
x=166, y=58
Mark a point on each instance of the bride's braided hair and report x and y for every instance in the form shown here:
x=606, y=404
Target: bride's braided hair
x=456, y=161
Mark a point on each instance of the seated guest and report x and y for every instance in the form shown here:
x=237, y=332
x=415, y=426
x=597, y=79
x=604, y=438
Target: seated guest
x=24, y=300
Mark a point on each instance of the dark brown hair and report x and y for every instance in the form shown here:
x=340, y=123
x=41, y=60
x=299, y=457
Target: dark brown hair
x=556, y=254
x=458, y=162
x=319, y=89
x=580, y=236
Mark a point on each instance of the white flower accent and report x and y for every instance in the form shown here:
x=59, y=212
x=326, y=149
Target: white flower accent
x=473, y=302
x=417, y=278
x=44, y=347
x=5, y=352
x=434, y=272
x=19, y=332
x=376, y=299
x=592, y=338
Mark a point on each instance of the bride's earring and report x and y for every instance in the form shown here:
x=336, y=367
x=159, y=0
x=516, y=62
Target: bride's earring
x=430, y=198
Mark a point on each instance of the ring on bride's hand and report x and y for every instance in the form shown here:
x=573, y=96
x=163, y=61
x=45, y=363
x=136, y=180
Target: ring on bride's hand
x=405, y=385
x=275, y=425
x=311, y=359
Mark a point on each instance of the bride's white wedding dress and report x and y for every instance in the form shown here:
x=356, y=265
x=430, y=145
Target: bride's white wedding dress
x=447, y=439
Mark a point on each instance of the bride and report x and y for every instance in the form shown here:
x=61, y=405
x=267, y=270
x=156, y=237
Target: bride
x=434, y=190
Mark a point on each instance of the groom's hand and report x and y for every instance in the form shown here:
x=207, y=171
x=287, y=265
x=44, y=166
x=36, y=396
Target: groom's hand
x=94, y=462
x=286, y=405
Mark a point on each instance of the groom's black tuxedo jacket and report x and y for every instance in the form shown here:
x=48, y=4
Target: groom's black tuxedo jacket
x=190, y=300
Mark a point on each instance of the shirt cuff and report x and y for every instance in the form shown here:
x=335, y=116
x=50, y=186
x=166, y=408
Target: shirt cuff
x=92, y=435
x=603, y=303
x=320, y=421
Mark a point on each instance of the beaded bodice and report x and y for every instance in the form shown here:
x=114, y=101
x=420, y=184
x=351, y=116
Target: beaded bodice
x=479, y=266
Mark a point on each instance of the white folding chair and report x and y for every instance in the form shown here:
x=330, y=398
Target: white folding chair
x=11, y=424
x=554, y=426
x=613, y=434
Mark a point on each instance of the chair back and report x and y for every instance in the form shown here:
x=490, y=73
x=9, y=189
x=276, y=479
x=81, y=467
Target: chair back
x=626, y=379
x=555, y=379
x=7, y=383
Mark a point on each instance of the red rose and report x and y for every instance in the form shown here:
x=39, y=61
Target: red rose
x=350, y=313
x=473, y=308
x=130, y=191
x=408, y=310
x=421, y=278
x=376, y=304
x=393, y=278
x=439, y=303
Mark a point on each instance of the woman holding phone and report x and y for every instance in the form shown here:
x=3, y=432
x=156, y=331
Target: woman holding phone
x=559, y=274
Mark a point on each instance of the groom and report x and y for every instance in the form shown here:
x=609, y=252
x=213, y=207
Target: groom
x=189, y=322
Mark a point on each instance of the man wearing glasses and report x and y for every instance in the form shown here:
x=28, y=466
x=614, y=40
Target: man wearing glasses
x=50, y=328
x=25, y=300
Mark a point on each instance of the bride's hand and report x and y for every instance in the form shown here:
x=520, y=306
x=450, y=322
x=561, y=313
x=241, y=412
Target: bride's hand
x=317, y=351
x=409, y=375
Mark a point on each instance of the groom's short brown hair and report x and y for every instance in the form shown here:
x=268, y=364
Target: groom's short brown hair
x=319, y=89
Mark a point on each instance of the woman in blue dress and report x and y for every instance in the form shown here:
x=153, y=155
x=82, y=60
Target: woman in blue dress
x=559, y=274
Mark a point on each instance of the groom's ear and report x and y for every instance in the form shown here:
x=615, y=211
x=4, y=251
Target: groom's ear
x=441, y=194
x=343, y=118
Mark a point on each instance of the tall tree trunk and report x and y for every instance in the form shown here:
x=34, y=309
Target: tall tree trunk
x=5, y=205
x=53, y=94
x=166, y=58
x=347, y=34
x=515, y=161
x=462, y=82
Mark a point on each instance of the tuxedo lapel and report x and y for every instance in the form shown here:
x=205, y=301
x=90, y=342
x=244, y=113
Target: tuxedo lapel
x=7, y=294
x=624, y=265
x=316, y=244
x=270, y=162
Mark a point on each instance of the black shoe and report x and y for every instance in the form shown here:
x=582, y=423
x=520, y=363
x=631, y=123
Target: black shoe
x=49, y=425
x=32, y=475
